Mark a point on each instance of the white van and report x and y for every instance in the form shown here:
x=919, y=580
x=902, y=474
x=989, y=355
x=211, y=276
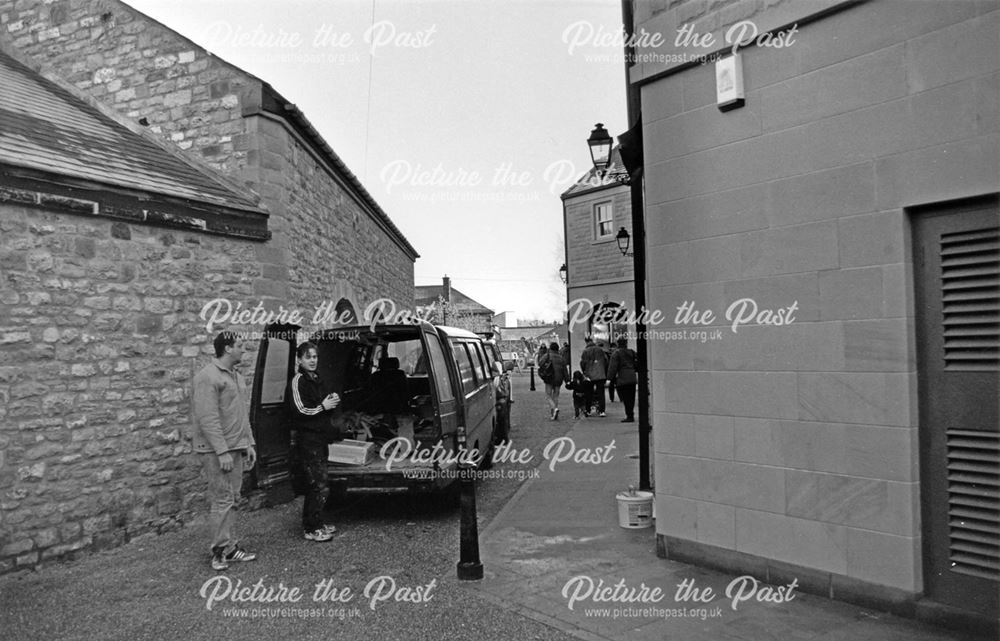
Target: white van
x=419, y=389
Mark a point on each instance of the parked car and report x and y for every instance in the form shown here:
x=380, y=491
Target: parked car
x=421, y=388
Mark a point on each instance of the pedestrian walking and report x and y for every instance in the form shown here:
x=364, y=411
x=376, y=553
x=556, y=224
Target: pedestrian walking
x=564, y=351
x=622, y=370
x=313, y=409
x=553, y=371
x=611, y=380
x=223, y=441
x=543, y=349
x=594, y=364
x=582, y=393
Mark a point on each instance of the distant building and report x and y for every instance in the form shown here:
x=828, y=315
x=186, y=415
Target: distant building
x=598, y=277
x=505, y=319
x=445, y=305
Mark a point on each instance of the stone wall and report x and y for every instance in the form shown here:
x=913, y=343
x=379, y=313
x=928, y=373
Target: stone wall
x=597, y=270
x=89, y=455
x=593, y=260
x=326, y=244
x=335, y=249
x=99, y=339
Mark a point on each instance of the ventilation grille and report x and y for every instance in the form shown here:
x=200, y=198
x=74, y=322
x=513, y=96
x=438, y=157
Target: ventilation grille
x=974, y=503
x=970, y=275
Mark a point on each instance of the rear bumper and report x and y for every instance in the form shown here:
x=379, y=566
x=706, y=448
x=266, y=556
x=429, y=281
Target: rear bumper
x=381, y=481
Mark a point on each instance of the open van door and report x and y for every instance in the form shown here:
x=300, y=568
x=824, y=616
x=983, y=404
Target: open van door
x=268, y=409
x=442, y=379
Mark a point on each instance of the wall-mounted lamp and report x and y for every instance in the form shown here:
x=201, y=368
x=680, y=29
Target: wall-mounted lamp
x=623, y=238
x=563, y=273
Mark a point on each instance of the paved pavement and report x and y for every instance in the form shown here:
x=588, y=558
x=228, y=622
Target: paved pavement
x=564, y=524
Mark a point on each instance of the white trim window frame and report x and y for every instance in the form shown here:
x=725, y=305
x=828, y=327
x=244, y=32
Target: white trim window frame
x=604, y=221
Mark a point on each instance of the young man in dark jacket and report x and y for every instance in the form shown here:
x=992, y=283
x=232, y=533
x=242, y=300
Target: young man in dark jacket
x=312, y=408
x=622, y=370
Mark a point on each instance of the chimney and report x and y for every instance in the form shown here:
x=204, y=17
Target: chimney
x=446, y=282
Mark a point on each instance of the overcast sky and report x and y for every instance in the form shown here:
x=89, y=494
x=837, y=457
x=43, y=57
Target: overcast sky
x=465, y=120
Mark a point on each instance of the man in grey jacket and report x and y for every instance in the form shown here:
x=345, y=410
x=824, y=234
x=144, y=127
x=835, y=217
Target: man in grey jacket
x=223, y=440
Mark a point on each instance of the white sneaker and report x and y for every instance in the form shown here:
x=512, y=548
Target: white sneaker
x=318, y=535
x=602, y=414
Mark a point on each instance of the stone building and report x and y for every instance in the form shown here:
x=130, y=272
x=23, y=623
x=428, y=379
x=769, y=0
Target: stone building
x=104, y=299
x=594, y=209
x=446, y=305
x=845, y=433
x=331, y=240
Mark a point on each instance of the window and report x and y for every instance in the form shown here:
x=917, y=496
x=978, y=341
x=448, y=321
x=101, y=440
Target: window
x=441, y=377
x=490, y=357
x=465, y=369
x=484, y=374
x=604, y=221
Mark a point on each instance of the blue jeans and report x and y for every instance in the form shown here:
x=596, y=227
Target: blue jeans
x=223, y=492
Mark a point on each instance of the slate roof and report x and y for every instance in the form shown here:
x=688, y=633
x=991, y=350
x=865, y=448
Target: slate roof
x=46, y=127
x=428, y=294
x=590, y=182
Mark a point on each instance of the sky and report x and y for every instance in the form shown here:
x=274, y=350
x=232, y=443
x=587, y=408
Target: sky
x=464, y=119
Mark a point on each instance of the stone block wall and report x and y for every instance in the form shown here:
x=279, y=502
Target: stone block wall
x=99, y=340
x=799, y=443
x=592, y=260
x=89, y=455
x=326, y=245
x=335, y=250
x=141, y=69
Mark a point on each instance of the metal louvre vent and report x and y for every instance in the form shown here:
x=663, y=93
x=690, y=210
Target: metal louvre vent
x=974, y=503
x=970, y=275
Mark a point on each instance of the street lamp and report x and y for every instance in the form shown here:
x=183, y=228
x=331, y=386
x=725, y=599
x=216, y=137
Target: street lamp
x=623, y=239
x=563, y=273
x=600, y=143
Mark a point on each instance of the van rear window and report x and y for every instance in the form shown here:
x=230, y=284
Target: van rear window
x=466, y=371
x=275, y=376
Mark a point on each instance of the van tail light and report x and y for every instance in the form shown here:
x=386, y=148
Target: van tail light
x=460, y=436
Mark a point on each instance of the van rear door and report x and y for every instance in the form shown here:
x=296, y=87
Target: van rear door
x=268, y=410
x=443, y=382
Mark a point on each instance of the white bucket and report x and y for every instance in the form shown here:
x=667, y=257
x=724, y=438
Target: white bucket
x=635, y=510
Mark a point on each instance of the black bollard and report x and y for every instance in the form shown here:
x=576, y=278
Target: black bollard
x=470, y=568
x=532, y=378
